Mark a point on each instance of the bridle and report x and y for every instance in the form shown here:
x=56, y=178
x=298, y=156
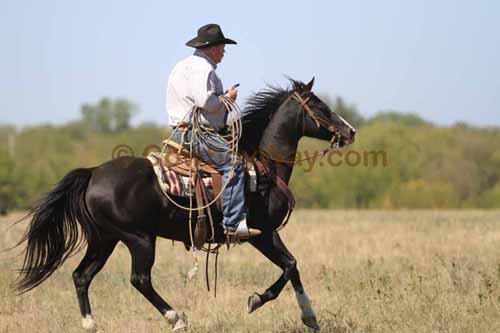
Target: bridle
x=319, y=120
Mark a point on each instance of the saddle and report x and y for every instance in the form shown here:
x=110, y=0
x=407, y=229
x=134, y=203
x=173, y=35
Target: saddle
x=178, y=158
x=178, y=172
x=182, y=175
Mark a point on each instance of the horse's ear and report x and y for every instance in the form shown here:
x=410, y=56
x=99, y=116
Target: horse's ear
x=309, y=86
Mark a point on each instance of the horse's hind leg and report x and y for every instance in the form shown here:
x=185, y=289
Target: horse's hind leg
x=308, y=316
x=142, y=250
x=273, y=248
x=93, y=261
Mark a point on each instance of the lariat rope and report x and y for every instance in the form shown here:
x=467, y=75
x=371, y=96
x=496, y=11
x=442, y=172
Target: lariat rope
x=204, y=134
x=200, y=133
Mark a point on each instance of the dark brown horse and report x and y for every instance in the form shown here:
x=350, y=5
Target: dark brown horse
x=121, y=200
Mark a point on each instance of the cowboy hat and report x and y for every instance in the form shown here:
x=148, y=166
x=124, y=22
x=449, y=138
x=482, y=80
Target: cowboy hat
x=209, y=35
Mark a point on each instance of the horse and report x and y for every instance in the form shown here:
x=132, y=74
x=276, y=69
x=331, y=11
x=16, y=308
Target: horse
x=121, y=201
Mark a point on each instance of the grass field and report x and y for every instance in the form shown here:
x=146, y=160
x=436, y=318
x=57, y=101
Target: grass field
x=365, y=271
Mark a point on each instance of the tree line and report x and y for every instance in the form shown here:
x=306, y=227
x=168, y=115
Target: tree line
x=426, y=166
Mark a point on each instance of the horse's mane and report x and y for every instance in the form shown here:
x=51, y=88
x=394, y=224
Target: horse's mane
x=258, y=111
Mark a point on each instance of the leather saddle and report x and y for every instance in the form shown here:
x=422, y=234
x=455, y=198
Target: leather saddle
x=178, y=159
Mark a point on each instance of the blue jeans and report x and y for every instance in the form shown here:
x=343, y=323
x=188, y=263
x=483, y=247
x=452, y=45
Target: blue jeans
x=213, y=150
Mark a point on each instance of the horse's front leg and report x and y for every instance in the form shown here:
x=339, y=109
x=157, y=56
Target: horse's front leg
x=271, y=246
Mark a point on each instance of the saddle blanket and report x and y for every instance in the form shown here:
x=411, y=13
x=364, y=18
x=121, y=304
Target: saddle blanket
x=173, y=183
x=183, y=186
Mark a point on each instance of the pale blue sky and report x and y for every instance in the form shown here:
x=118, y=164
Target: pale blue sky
x=440, y=59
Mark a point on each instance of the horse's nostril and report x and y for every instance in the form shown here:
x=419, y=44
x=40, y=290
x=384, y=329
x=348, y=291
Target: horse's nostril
x=352, y=132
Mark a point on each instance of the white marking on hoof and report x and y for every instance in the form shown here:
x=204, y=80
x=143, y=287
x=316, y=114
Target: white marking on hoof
x=88, y=323
x=178, y=321
x=181, y=324
x=305, y=304
x=171, y=316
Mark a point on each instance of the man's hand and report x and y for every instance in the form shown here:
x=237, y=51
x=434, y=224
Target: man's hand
x=232, y=93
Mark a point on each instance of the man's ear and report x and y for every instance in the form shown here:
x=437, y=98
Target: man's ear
x=309, y=86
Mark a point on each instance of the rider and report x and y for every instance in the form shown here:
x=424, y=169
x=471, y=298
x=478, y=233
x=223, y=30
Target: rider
x=194, y=85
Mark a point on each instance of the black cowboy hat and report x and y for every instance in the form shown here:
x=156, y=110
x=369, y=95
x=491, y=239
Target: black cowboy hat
x=209, y=35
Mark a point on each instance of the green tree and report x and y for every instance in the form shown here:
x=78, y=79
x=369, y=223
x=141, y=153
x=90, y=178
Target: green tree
x=7, y=181
x=407, y=119
x=109, y=116
x=123, y=110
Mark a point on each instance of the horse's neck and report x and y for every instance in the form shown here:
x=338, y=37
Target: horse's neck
x=280, y=141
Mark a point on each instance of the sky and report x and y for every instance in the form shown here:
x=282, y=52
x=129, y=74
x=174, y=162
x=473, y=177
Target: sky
x=440, y=59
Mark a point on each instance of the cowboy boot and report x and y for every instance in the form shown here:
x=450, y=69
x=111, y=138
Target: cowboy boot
x=241, y=232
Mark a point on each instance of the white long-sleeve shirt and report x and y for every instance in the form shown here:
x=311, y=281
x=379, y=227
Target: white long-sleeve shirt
x=193, y=84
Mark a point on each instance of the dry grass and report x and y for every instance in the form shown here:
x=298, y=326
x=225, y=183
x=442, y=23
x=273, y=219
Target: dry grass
x=365, y=271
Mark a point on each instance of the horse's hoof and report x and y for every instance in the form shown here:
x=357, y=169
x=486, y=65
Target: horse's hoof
x=89, y=324
x=181, y=324
x=310, y=321
x=254, y=302
x=177, y=320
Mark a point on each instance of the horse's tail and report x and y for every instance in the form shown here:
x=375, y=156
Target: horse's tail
x=53, y=233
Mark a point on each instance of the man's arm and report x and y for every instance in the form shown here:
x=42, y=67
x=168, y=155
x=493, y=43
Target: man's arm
x=210, y=100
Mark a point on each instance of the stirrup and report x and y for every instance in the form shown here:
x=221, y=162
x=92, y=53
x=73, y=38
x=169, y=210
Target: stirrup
x=241, y=232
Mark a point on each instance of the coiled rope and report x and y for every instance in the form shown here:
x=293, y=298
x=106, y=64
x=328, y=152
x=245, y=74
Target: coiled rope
x=202, y=134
